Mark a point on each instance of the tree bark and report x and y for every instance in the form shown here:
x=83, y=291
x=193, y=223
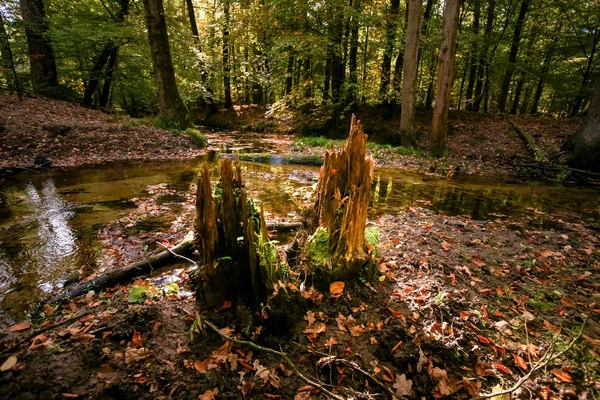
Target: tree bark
x=585, y=79
x=584, y=146
x=327, y=83
x=112, y=61
x=10, y=72
x=226, y=67
x=410, y=64
x=386, y=64
x=518, y=90
x=41, y=55
x=337, y=66
x=439, y=124
x=474, y=56
x=512, y=58
x=353, y=64
x=482, y=89
x=170, y=102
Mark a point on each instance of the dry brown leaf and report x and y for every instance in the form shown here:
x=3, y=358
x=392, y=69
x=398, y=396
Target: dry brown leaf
x=336, y=289
x=200, y=366
x=209, y=394
x=439, y=374
x=136, y=355
x=562, y=375
x=106, y=371
x=520, y=362
x=9, y=363
x=312, y=332
x=48, y=310
x=310, y=317
x=22, y=326
x=446, y=246
x=402, y=385
x=550, y=327
x=137, y=339
x=357, y=330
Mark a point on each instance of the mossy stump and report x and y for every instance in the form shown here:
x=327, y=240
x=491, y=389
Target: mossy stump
x=342, y=202
x=236, y=256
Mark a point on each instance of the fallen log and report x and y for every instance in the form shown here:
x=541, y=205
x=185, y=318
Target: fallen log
x=125, y=274
x=284, y=226
x=538, y=152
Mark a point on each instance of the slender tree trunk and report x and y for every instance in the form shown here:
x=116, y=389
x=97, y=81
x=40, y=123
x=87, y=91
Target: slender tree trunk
x=482, y=89
x=585, y=80
x=462, y=86
x=289, y=75
x=327, y=83
x=474, y=55
x=170, y=102
x=353, y=64
x=398, y=65
x=41, y=55
x=364, y=67
x=226, y=67
x=439, y=125
x=512, y=58
x=410, y=64
x=307, y=68
x=525, y=102
x=337, y=66
x=518, y=90
x=8, y=62
x=391, y=25
x=112, y=60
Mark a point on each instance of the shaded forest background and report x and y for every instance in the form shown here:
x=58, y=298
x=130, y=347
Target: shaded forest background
x=527, y=56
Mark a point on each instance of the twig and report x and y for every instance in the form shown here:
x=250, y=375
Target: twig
x=354, y=366
x=45, y=329
x=544, y=361
x=277, y=353
x=177, y=255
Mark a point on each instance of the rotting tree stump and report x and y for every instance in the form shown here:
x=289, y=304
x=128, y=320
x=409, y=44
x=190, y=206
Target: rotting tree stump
x=337, y=248
x=239, y=262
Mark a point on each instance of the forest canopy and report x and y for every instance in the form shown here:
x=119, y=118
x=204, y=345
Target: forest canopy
x=518, y=56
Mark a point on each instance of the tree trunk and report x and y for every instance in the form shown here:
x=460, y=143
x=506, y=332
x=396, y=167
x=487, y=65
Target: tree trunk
x=327, y=83
x=10, y=72
x=226, y=67
x=341, y=207
x=170, y=102
x=230, y=263
x=512, y=58
x=103, y=100
x=410, y=64
x=473, y=73
x=585, y=80
x=398, y=64
x=481, y=89
x=41, y=55
x=337, y=66
x=208, y=99
x=289, y=77
x=584, y=146
x=386, y=64
x=518, y=90
x=353, y=64
x=439, y=124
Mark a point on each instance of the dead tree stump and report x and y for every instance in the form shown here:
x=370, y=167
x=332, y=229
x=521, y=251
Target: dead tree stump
x=337, y=246
x=230, y=235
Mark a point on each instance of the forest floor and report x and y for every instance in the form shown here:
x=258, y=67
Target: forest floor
x=459, y=307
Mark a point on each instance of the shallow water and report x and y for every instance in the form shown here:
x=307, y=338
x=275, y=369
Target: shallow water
x=49, y=228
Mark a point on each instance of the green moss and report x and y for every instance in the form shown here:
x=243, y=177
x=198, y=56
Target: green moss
x=319, y=253
x=372, y=238
x=196, y=137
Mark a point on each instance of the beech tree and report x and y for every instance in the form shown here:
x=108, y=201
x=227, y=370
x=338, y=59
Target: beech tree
x=170, y=102
x=41, y=55
x=409, y=82
x=439, y=125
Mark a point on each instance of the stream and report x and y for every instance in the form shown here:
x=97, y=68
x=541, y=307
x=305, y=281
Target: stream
x=49, y=226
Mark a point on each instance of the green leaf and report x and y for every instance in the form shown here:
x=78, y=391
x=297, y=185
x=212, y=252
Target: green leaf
x=193, y=328
x=136, y=294
x=172, y=288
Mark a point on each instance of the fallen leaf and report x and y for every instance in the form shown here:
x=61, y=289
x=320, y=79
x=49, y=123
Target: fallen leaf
x=310, y=317
x=336, y=289
x=226, y=304
x=48, y=310
x=502, y=368
x=137, y=339
x=357, y=330
x=520, y=362
x=70, y=395
x=585, y=275
x=9, y=363
x=562, y=375
x=136, y=355
x=464, y=315
x=591, y=340
x=330, y=342
x=20, y=326
x=209, y=394
x=200, y=366
x=106, y=371
x=402, y=385
x=446, y=246
x=550, y=327
x=439, y=374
